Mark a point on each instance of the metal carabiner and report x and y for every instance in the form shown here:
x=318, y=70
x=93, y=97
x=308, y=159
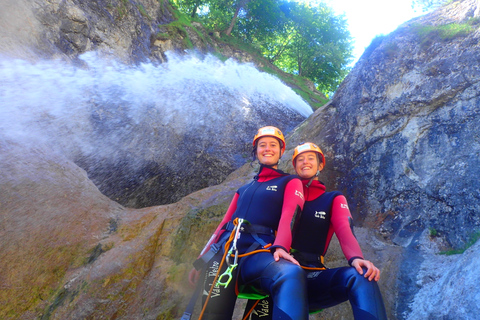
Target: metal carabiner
x=237, y=233
x=231, y=267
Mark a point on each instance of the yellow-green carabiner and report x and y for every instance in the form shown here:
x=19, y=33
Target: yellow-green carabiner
x=228, y=274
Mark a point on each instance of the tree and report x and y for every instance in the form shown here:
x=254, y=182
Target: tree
x=240, y=5
x=310, y=41
x=191, y=6
x=427, y=5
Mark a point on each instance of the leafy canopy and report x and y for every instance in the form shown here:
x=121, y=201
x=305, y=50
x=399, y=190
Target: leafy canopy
x=427, y=5
x=304, y=39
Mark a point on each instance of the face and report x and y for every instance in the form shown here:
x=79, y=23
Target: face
x=268, y=151
x=306, y=165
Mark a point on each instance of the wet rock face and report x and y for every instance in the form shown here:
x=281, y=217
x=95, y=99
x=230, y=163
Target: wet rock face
x=123, y=28
x=148, y=136
x=151, y=163
x=401, y=131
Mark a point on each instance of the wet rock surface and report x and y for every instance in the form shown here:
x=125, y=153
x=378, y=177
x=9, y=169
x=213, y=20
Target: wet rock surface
x=401, y=143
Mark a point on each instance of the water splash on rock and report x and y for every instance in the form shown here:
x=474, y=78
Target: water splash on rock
x=129, y=126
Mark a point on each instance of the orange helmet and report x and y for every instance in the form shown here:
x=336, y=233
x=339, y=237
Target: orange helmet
x=307, y=146
x=270, y=131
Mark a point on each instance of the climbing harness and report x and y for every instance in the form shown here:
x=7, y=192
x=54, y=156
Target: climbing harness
x=233, y=251
x=230, y=257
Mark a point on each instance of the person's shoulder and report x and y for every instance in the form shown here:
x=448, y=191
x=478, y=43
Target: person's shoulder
x=293, y=177
x=334, y=193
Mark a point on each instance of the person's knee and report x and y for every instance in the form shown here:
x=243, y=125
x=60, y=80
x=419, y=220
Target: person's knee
x=352, y=278
x=290, y=276
x=286, y=270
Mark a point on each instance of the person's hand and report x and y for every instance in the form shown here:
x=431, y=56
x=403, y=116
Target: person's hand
x=280, y=253
x=373, y=273
x=193, y=276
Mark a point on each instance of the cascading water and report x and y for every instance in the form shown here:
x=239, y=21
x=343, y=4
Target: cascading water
x=146, y=134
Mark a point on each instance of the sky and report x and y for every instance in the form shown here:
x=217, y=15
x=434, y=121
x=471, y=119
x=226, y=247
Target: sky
x=370, y=18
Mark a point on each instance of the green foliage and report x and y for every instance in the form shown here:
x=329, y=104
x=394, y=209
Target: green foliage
x=306, y=40
x=473, y=239
x=143, y=12
x=433, y=232
x=189, y=6
x=447, y=32
x=177, y=29
x=312, y=46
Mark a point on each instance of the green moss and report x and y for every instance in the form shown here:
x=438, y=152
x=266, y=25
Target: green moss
x=63, y=295
x=96, y=251
x=473, y=240
x=432, y=34
x=133, y=230
x=194, y=230
x=40, y=274
x=122, y=9
x=143, y=12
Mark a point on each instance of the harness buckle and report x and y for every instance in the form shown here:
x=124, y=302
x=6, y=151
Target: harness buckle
x=186, y=316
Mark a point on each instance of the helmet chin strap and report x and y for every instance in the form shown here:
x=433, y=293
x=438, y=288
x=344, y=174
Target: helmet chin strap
x=312, y=178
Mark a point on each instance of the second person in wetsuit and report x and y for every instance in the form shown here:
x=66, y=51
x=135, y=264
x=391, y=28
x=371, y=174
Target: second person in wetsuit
x=324, y=214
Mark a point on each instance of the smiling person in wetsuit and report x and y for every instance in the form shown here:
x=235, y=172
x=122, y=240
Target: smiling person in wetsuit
x=260, y=218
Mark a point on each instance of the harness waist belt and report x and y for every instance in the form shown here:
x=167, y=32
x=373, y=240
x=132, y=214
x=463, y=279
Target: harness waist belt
x=251, y=228
x=308, y=258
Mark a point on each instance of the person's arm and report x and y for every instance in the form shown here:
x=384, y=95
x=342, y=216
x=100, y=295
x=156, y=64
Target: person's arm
x=226, y=218
x=342, y=223
x=292, y=206
x=194, y=273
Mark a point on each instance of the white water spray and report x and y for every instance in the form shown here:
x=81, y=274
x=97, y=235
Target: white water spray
x=54, y=100
x=138, y=130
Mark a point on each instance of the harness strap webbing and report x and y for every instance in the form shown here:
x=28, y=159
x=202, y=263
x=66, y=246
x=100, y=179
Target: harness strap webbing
x=191, y=305
x=227, y=244
x=259, y=246
x=251, y=304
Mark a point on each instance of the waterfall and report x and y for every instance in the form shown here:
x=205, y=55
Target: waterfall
x=101, y=113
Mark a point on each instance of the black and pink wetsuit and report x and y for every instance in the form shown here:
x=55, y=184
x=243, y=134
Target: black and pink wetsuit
x=270, y=204
x=324, y=214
